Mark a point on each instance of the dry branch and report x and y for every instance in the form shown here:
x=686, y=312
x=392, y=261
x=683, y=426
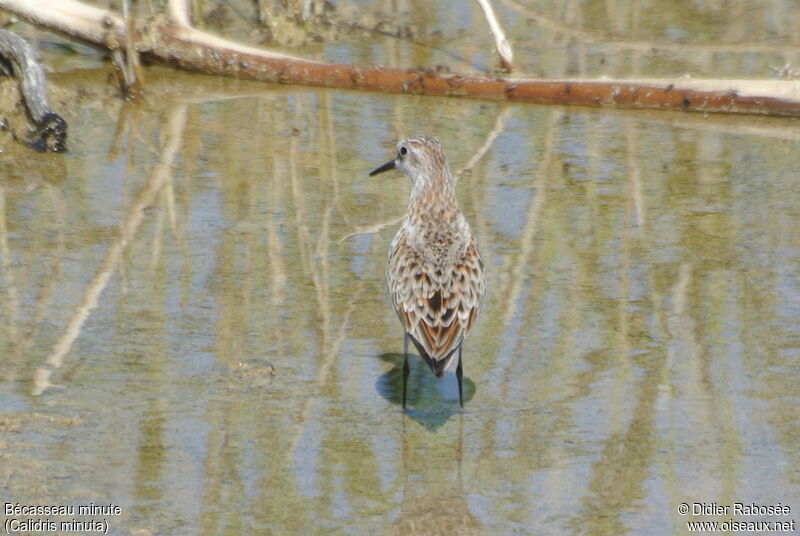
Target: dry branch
x=174, y=42
x=33, y=86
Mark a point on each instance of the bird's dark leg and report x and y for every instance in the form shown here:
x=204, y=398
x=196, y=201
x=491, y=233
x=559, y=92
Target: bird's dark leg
x=405, y=368
x=459, y=375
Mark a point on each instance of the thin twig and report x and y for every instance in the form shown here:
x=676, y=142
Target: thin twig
x=372, y=228
x=133, y=72
x=500, y=42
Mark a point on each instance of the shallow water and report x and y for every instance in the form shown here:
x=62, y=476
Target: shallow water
x=195, y=327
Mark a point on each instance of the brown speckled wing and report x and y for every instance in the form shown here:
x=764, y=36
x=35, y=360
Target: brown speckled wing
x=436, y=305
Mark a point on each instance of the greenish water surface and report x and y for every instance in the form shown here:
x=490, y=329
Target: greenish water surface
x=194, y=326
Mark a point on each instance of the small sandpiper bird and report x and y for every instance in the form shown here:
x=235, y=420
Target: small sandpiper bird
x=435, y=272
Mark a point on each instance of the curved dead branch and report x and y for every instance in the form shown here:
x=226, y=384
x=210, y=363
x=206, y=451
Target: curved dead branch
x=173, y=41
x=33, y=86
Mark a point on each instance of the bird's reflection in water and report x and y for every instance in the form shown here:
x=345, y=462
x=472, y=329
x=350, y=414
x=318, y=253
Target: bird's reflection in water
x=431, y=401
x=434, y=501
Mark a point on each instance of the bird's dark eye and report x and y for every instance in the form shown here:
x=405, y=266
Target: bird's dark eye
x=403, y=150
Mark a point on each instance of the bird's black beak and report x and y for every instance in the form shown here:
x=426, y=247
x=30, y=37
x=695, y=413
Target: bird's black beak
x=386, y=167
